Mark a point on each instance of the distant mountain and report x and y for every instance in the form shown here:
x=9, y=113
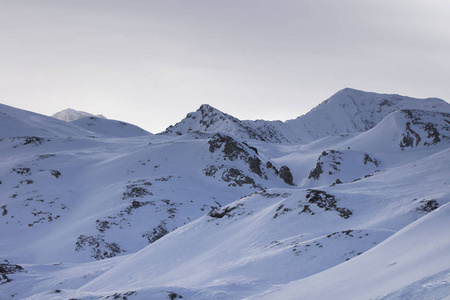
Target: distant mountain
x=16, y=122
x=70, y=115
x=110, y=127
x=347, y=111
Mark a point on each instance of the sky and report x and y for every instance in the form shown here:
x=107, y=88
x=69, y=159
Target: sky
x=150, y=63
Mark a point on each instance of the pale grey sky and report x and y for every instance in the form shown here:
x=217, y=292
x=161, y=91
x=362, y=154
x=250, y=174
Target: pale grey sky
x=151, y=62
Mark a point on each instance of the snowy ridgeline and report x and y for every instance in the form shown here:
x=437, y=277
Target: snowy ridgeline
x=70, y=115
x=349, y=201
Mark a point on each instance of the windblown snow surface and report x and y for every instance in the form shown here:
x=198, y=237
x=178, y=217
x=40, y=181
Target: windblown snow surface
x=353, y=206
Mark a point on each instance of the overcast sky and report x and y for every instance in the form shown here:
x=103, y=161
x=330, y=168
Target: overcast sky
x=151, y=62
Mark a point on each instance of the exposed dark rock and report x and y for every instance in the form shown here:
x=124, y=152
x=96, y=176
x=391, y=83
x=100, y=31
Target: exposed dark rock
x=286, y=175
x=136, y=204
x=254, y=163
x=30, y=140
x=327, y=202
x=386, y=102
x=6, y=268
x=55, y=173
x=102, y=225
x=232, y=149
x=253, y=148
x=432, y=133
x=173, y=296
x=134, y=191
x=210, y=170
x=428, y=206
x=270, y=166
x=121, y=296
x=236, y=177
x=367, y=158
x=22, y=171
x=219, y=213
x=5, y=211
x=100, y=249
x=156, y=233
x=28, y=181
x=410, y=137
x=306, y=209
x=281, y=210
x=164, y=178
x=315, y=173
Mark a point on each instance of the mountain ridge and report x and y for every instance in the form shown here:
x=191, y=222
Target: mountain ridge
x=347, y=111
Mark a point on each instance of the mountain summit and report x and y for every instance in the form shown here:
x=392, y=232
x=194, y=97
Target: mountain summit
x=209, y=119
x=350, y=110
x=70, y=115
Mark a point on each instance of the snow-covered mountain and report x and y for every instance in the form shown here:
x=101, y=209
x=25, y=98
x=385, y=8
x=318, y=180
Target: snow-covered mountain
x=70, y=115
x=16, y=122
x=347, y=111
x=218, y=208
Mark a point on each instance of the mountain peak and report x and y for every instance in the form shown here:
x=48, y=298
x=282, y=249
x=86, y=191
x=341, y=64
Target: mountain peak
x=70, y=115
x=349, y=90
x=207, y=109
x=204, y=119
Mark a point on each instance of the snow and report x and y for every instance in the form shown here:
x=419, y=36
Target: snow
x=415, y=256
x=70, y=115
x=16, y=122
x=347, y=111
x=110, y=127
x=98, y=209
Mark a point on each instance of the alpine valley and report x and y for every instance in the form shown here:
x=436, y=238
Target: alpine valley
x=350, y=201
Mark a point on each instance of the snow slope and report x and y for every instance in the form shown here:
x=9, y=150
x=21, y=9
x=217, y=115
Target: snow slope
x=228, y=257
x=414, y=263
x=220, y=211
x=282, y=231
x=110, y=127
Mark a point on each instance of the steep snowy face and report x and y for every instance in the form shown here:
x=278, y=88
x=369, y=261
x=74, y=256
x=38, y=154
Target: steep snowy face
x=348, y=111
x=69, y=115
